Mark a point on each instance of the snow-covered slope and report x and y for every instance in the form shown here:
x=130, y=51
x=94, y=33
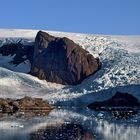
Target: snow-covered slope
x=119, y=55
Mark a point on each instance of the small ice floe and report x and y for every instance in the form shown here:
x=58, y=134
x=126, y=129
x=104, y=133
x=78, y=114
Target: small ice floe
x=135, y=121
x=59, y=107
x=67, y=122
x=16, y=125
x=22, y=113
x=100, y=115
x=1, y=109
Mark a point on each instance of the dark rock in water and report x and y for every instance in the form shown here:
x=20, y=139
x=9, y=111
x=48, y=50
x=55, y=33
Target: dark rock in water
x=60, y=60
x=118, y=100
x=20, y=52
x=25, y=104
x=7, y=108
x=5, y=105
x=28, y=103
x=121, y=105
x=64, y=132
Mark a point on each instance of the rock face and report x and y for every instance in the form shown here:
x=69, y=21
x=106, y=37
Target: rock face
x=118, y=100
x=20, y=52
x=60, y=60
x=24, y=104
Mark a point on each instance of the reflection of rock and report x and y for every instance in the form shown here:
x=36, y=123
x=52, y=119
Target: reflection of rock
x=26, y=104
x=64, y=132
x=118, y=100
x=60, y=60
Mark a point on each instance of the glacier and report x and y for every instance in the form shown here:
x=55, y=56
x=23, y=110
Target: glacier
x=120, y=71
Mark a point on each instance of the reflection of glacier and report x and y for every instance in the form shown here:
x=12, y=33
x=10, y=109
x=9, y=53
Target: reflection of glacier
x=112, y=131
x=100, y=124
x=120, y=57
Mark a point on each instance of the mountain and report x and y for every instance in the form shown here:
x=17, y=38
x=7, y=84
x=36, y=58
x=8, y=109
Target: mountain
x=120, y=71
x=60, y=60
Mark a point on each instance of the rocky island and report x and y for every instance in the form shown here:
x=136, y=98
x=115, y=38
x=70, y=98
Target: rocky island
x=26, y=104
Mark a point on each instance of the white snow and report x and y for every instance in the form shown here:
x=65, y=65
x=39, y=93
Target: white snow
x=119, y=55
x=22, y=67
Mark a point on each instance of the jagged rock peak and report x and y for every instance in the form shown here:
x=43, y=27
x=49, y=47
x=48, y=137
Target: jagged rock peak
x=61, y=60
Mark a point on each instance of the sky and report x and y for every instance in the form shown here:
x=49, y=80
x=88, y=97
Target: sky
x=82, y=16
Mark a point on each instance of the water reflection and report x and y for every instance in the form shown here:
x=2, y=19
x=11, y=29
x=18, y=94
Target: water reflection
x=124, y=113
x=64, y=132
x=113, y=131
x=70, y=124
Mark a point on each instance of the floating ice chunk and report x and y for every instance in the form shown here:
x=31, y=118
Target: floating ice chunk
x=15, y=125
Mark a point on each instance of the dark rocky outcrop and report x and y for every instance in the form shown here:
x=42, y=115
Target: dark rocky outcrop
x=121, y=105
x=60, y=60
x=20, y=52
x=64, y=132
x=54, y=59
x=118, y=100
x=24, y=104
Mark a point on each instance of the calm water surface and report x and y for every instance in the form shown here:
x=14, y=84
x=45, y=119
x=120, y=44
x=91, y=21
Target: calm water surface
x=70, y=124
